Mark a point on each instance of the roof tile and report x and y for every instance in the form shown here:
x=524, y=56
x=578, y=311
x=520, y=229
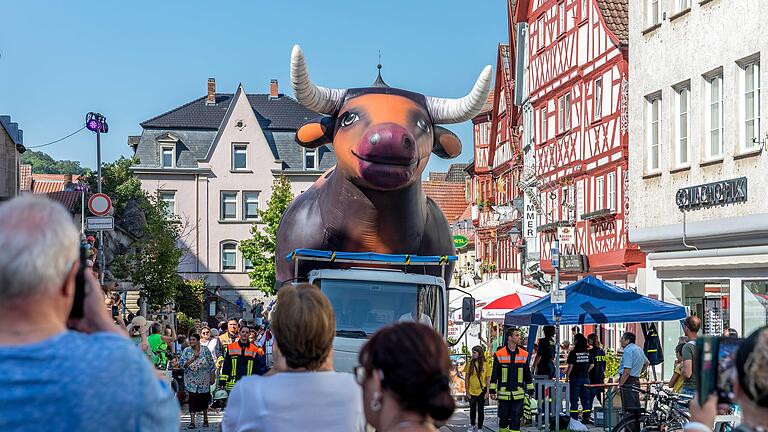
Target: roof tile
x=25, y=177
x=449, y=196
x=616, y=16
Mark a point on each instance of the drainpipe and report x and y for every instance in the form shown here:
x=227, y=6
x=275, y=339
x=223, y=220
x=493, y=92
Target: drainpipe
x=197, y=223
x=684, y=242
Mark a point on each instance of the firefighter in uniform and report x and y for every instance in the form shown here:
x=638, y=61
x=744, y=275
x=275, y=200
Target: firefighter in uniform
x=510, y=381
x=243, y=358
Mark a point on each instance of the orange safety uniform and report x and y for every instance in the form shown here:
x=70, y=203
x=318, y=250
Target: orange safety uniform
x=510, y=380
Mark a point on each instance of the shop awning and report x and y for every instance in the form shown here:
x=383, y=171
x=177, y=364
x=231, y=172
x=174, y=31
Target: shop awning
x=592, y=301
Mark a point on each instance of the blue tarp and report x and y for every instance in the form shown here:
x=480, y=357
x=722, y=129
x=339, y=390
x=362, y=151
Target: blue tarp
x=370, y=256
x=592, y=301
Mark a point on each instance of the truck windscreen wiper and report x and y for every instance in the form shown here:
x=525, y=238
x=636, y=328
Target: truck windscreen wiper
x=351, y=333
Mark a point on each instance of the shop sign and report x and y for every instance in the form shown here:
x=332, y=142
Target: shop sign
x=529, y=218
x=712, y=194
x=566, y=235
x=459, y=241
x=574, y=263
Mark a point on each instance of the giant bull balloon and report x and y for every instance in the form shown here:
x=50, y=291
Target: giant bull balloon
x=372, y=200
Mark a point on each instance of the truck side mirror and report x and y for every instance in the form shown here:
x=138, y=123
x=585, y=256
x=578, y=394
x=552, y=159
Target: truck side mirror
x=468, y=309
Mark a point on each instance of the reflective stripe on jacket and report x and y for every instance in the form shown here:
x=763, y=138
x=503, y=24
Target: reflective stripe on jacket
x=241, y=362
x=511, y=375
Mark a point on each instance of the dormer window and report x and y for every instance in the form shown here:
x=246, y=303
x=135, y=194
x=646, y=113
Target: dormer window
x=311, y=159
x=167, y=157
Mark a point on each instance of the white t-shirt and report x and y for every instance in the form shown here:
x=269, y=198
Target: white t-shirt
x=295, y=401
x=423, y=318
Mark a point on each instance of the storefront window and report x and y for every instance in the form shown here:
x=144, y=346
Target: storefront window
x=755, y=305
x=708, y=300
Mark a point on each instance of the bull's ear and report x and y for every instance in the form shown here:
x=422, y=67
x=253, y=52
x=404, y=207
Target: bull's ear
x=316, y=132
x=447, y=145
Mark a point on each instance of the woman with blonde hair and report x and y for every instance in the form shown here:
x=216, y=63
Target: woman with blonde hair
x=303, y=392
x=478, y=378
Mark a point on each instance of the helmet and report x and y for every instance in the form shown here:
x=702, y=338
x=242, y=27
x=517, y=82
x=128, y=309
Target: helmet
x=220, y=394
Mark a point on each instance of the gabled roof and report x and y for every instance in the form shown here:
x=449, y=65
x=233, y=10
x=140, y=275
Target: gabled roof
x=283, y=112
x=616, y=16
x=66, y=198
x=13, y=131
x=448, y=196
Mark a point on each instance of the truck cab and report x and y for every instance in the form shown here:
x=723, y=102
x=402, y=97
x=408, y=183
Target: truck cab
x=366, y=299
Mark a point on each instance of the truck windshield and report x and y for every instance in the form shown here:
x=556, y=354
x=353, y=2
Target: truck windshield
x=362, y=307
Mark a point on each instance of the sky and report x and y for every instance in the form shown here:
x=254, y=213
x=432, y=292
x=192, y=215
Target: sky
x=136, y=59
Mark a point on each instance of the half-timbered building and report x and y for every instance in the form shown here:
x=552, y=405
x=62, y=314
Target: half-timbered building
x=577, y=86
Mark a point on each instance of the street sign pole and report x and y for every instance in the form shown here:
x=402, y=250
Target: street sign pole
x=96, y=122
x=557, y=313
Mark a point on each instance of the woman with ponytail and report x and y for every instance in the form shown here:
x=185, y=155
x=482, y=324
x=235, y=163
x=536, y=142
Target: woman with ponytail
x=478, y=378
x=404, y=374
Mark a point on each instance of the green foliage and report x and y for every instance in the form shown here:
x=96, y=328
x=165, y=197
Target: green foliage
x=190, y=297
x=152, y=261
x=260, y=249
x=154, y=258
x=118, y=182
x=44, y=164
x=612, y=360
x=184, y=323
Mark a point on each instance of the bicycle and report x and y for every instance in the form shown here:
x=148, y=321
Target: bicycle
x=668, y=413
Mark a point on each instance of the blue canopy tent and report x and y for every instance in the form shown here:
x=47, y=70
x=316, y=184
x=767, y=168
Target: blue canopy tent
x=592, y=301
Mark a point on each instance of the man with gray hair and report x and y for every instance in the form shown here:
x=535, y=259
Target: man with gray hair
x=88, y=377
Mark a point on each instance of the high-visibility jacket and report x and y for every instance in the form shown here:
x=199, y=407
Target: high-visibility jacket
x=511, y=375
x=242, y=360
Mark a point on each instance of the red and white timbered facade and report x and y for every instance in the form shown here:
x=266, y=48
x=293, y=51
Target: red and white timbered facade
x=497, y=151
x=578, y=90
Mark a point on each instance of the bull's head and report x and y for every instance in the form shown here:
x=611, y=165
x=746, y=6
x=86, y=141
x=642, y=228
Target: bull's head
x=382, y=136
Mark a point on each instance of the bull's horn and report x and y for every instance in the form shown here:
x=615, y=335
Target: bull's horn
x=320, y=99
x=445, y=110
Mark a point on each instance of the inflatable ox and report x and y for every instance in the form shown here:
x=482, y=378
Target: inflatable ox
x=372, y=200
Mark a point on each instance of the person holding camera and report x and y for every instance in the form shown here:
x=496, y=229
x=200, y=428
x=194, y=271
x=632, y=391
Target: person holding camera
x=47, y=357
x=750, y=389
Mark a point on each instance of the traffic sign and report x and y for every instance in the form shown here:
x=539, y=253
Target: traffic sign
x=555, y=257
x=100, y=223
x=99, y=204
x=556, y=295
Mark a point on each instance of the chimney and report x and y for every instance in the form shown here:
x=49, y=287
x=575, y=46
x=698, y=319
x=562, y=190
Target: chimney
x=273, y=89
x=211, y=99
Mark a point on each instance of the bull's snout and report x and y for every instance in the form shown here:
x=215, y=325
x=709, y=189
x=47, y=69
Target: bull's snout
x=388, y=143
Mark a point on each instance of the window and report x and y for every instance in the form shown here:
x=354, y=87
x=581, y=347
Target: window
x=597, y=107
x=250, y=205
x=751, y=73
x=612, y=191
x=310, y=159
x=579, y=200
x=543, y=125
x=247, y=265
x=228, y=205
x=683, y=5
x=541, y=31
x=715, y=117
x=654, y=134
x=239, y=156
x=584, y=9
x=755, y=307
x=600, y=193
x=167, y=157
x=228, y=256
x=564, y=112
x=652, y=13
x=681, y=151
x=561, y=17
x=169, y=199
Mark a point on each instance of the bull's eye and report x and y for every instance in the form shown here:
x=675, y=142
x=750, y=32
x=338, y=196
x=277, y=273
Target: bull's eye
x=349, y=119
x=423, y=125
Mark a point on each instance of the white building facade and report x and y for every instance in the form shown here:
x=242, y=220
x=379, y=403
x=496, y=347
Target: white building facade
x=698, y=166
x=213, y=161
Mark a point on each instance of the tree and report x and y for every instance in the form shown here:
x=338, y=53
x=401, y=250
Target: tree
x=260, y=249
x=44, y=164
x=152, y=260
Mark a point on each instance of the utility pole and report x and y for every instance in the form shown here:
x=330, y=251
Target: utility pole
x=96, y=122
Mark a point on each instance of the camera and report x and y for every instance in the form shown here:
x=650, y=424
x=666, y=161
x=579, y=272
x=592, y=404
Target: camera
x=716, y=360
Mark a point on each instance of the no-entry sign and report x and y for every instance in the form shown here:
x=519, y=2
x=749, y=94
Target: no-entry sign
x=99, y=204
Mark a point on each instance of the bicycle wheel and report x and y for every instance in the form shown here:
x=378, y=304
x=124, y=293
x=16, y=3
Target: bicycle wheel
x=631, y=424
